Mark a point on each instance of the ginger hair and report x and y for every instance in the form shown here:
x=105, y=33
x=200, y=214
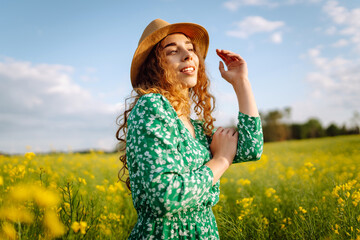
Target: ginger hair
x=155, y=77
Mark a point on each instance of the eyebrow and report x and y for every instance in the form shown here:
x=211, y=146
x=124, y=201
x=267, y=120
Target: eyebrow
x=174, y=44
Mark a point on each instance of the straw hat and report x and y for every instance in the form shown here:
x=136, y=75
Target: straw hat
x=159, y=29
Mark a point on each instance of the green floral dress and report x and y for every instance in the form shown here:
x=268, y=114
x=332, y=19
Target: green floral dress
x=171, y=187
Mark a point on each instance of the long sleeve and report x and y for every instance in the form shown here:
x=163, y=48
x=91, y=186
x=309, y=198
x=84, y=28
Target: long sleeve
x=250, y=141
x=158, y=176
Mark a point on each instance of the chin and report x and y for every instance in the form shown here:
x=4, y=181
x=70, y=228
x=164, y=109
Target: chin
x=189, y=83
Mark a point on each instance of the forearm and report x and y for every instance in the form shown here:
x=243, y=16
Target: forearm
x=245, y=96
x=218, y=167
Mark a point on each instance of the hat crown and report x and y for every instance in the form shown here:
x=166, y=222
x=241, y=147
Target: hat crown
x=152, y=27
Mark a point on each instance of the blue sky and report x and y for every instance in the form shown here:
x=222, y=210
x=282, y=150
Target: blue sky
x=64, y=65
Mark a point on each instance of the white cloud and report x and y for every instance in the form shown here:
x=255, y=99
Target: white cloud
x=276, y=37
x=41, y=105
x=335, y=87
x=340, y=43
x=331, y=30
x=302, y=1
x=234, y=5
x=252, y=25
x=347, y=22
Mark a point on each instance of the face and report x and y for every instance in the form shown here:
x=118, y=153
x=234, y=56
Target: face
x=181, y=58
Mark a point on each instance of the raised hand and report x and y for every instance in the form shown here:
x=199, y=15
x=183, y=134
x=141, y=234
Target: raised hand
x=236, y=66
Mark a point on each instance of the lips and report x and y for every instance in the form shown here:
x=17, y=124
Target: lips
x=188, y=69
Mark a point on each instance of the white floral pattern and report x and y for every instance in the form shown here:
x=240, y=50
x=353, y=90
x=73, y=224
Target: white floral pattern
x=171, y=187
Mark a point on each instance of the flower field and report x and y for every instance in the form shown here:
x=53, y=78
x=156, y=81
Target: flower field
x=308, y=189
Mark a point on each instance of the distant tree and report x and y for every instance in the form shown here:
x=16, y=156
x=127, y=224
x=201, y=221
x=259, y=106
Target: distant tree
x=333, y=130
x=355, y=122
x=343, y=130
x=313, y=129
x=273, y=128
x=287, y=114
x=296, y=131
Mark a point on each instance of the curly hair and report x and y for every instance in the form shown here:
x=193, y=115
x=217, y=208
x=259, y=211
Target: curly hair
x=154, y=77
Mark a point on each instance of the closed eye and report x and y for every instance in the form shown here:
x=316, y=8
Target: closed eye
x=172, y=52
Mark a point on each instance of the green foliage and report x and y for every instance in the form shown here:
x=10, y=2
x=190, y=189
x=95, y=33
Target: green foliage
x=278, y=127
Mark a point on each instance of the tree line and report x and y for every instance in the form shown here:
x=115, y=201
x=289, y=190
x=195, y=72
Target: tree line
x=278, y=127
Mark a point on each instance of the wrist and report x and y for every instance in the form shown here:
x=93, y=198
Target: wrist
x=241, y=84
x=223, y=161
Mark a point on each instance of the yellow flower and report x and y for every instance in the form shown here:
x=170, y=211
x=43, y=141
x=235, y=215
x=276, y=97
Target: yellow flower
x=45, y=198
x=30, y=155
x=243, y=181
x=336, y=229
x=245, y=202
x=269, y=192
x=290, y=173
x=9, y=230
x=75, y=226
x=53, y=224
x=15, y=214
x=112, y=189
x=100, y=188
x=266, y=221
x=1, y=181
x=223, y=180
x=83, y=226
x=222, y=196
x=308, y=164
x=21, y=193
x=315, y=209
x=82, y=180
x=301, y=209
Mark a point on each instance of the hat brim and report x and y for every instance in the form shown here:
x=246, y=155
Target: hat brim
x=195, y=32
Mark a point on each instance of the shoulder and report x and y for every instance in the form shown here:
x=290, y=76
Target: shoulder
x=152, y=104
x=152, y=100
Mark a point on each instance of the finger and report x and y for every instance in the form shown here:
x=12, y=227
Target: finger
x=234, y=132
x=221, y=67
x=229, y=58
x=230, y=54
x=219, y=130
x=222, y=55
x=235, y=57
x=223, y=58
x=230, y=131
x=226, y=51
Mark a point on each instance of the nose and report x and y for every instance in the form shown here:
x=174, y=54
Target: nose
x=187, y=55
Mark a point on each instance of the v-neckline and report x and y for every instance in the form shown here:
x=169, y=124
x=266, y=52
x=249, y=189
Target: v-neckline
x=183, y=125
x=181, y=122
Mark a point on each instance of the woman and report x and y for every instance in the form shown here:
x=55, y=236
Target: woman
x=175, y=162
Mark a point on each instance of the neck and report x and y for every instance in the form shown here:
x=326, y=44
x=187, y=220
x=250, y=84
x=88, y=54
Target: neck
x=184, y=113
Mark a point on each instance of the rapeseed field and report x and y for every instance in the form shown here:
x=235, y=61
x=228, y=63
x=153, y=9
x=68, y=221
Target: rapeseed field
x=308, y=189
